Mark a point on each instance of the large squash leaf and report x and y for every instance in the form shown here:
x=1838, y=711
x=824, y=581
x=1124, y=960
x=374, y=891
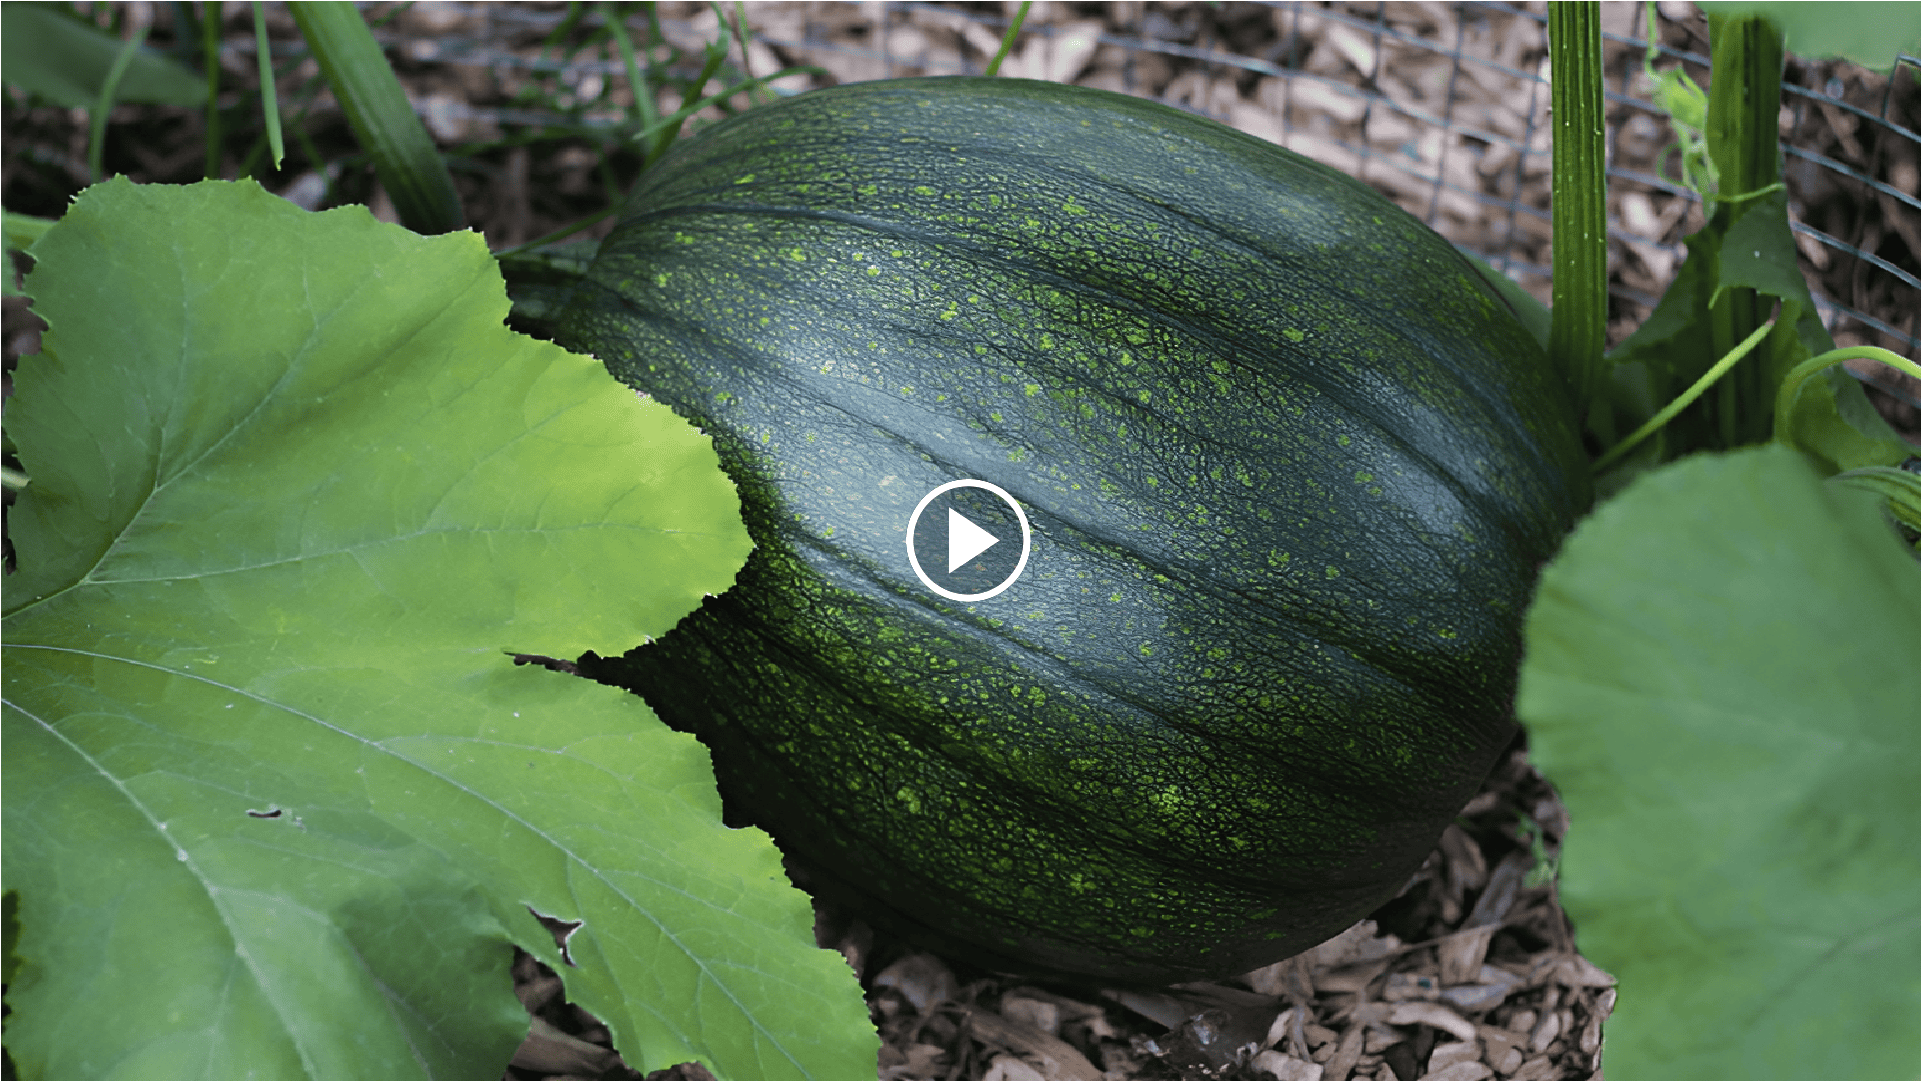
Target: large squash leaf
x=1870, y=34
x=277, y=798
x=1723, y=678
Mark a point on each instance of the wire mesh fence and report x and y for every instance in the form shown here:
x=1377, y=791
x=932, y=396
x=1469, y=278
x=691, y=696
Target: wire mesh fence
x=1441, y=106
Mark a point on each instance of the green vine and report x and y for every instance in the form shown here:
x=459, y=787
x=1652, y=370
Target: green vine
x=1686, y=398
x=1797, y=378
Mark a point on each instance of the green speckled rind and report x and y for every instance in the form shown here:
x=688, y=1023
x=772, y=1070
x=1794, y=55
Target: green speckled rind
x=1291, y=467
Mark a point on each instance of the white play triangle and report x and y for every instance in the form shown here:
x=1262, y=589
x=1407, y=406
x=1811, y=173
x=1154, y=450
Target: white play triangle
x=965, y=540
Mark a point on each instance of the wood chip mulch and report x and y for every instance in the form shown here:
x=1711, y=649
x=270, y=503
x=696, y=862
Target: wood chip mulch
x=1471, y=973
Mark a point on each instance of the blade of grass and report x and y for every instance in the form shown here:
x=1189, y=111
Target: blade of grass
x=97, y=123
x=740, y=37
x=575, y=11
x=644, y=111
x=559, y=234
x=186, y=33
x=646, y=108
x=269, y=93
x=1578, y=335
x=210, y=47
x=1007, y=39
x=686, y=111
x=655, y=140
x=307, y=95
x=405, y=158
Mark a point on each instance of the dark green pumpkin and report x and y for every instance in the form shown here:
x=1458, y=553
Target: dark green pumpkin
x=1290, y=464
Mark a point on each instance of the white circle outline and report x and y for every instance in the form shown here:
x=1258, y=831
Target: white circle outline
x=1026, y=539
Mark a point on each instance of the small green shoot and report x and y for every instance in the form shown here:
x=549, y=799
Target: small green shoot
x=1546, y=868
x=1007, y=39
x=1686, y=106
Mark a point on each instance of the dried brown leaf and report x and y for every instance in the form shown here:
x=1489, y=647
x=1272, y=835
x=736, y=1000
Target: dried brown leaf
x=1434, y=1015
x=922, y=979
x=1057, y=1059
x=1282, y=1068
x=549, y=1050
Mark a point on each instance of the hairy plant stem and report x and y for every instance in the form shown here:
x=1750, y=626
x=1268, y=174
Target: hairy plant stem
x=1744, y=103
x=1673, y=408
x=1578, y=336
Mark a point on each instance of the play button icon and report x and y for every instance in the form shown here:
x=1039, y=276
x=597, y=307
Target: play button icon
x=965, y=540
x=978, y=516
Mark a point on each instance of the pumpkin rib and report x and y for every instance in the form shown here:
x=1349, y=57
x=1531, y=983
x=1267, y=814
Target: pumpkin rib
x=1029, y=792
x=1148, y=711
x=1223, y=348
x=1062, y=672
x=1304, y=875
x=1035, y=798
x=1326, y=633
x=1405, y=449
x=991, y=257
x=1085, y=528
